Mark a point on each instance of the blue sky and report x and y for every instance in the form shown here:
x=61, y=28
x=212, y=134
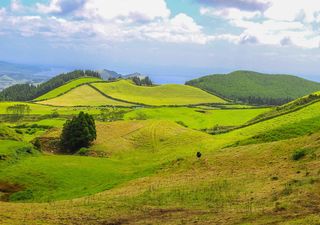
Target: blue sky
x=171, y=40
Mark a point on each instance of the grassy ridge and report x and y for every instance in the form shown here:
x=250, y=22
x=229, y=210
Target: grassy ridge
x=287, y=131
x=66, y=87
x=309, y=112
x=83, y=96
x=170, y=94
x=243, y=85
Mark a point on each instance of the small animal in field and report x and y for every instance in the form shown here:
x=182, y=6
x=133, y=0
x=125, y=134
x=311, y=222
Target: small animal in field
x=199, y=155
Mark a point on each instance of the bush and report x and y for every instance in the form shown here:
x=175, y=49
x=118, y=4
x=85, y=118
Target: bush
x=54, y=114
x=22, y=196
x=37, y=143
x=299, y=154
x=141, y=116
x=83, y=151
x=78, y=132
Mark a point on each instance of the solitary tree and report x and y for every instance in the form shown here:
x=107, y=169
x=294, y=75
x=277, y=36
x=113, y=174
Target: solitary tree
x=78, y=132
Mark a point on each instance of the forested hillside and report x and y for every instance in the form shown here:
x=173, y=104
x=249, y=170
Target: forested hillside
x=26, y=92
x=256, y=88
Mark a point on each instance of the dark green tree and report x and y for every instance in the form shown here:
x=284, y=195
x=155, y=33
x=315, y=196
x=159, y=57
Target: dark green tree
x=78, y=133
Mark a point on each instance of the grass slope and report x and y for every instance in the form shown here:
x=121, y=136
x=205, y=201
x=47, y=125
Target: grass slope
x=170, y=94
x=258, y=184
x=66, y=87
x=307, y=113
x=83, y=96
x=241, y=85
x=50, y=177
x=198, y=118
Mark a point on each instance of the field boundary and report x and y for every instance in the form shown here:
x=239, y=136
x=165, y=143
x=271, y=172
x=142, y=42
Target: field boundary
x=265, y=119
x=79, y=85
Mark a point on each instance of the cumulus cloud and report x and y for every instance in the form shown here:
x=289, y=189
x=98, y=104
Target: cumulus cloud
x=247, y=5
x=115, y=21
x=248, y=39
x=60, y=7
x=282, y=23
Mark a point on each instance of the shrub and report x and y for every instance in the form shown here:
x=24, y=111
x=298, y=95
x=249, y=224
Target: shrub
x=37, y=143
x=22, y=196
x=54, y=114
x=299, y=154
x=141, y=116
x=78, y=132
x=83, y=151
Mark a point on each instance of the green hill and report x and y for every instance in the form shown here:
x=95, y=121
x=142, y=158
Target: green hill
x=28, y=92
x=67, y=87
x=256, y=88
x=83, y=95
x=169, y=94
x=145, y=167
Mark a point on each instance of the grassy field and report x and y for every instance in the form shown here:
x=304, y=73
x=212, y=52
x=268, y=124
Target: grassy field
x=83, y=96
x=67, y=87
x=244, y=185
x=197, y=118
x=50, y=177
x=171, y=94
x=144, y=169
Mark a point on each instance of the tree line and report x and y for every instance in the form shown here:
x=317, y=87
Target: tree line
x=146, y=81
x=252, y=100
x=27, y=92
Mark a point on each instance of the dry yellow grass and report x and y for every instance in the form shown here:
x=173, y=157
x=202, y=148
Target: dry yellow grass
x=83, y=96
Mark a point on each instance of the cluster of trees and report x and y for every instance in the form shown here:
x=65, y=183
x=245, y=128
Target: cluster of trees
x=17, y=112
x=27, y=92
x=146, y=81
x=263, y=101
x=78, y=133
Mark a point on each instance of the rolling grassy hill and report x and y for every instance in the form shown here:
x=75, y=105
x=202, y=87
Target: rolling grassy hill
x=257, y=184
x=170, y=94
x=51, y=177
x=256, y=88
x=67, y=87
x=83, y=96
x=144, y=169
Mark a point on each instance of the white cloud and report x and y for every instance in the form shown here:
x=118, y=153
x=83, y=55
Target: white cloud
x=129, y=10
x=283, y=23
x=230, y=13
x=179, y=29
x=53, y=7
x=288, y=10
x=102, y=20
